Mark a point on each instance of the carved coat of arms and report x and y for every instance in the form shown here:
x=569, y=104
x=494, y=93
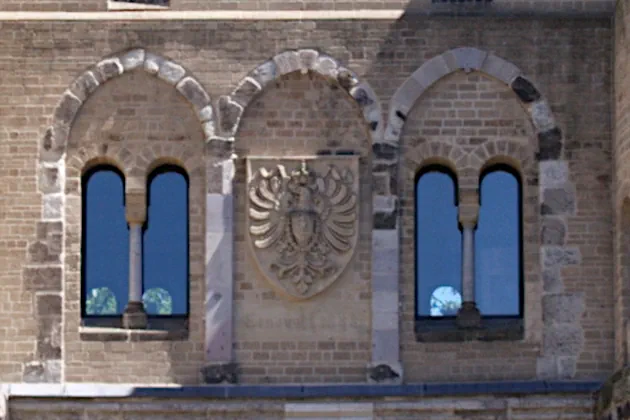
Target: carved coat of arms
x=303, y=220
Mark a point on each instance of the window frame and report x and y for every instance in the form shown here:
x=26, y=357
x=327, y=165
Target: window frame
x=162, y=169
x=494, y=327
x=85, y=178
x=443, y=169
x=503, y=167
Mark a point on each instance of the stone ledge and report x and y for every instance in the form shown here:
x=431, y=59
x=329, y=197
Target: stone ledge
x=120, y=334
x=125, y=5
x=446, y=330
x=100, y=390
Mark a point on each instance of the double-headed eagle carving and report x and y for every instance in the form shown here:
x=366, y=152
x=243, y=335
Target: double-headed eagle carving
x=307, y=220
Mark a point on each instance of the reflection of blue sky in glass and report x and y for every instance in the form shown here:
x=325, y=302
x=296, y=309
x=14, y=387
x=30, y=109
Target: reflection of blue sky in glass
x=106, y=251
x=497, y=248
x=445, y=301
x=166, y=240
x=438, y=239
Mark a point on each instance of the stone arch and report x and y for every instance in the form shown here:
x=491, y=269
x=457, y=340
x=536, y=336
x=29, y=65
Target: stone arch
x=231, y=107
x=473, y=59
x=54, y=142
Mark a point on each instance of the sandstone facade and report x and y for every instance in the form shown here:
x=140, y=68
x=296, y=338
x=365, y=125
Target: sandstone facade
x=390, y=86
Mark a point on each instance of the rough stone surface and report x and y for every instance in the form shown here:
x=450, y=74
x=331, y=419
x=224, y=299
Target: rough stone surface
x=553, y=231
x=562, y=308
x=563, y=340
x=525, y=90
x=43, y=278
x=171, y=72
x=554, y=256
x=559, y=201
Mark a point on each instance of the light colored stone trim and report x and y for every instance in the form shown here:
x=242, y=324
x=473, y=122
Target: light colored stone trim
x=213, y=15
x=219, y=262
x=231, y=107
x=358, y=411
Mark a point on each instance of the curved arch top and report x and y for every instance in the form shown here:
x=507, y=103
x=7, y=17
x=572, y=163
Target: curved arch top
x=231, y=107
x=473, y=59
x=54, y=143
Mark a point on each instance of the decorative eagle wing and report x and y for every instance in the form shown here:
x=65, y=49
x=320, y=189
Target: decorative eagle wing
x=337, y=210
x=268, y=201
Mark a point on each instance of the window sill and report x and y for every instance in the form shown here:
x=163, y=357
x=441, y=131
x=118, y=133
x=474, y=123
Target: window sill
x=110, y=329
x=123, y=5
x=446, y=330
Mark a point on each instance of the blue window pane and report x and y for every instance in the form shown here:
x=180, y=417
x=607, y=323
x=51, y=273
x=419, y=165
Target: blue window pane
x=165, y=244
x=498, y=245
x=105, y=251
x=438, y=246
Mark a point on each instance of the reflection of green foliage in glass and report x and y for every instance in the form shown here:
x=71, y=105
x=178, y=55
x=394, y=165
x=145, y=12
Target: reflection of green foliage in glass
x=157, y=301
x=100, y=301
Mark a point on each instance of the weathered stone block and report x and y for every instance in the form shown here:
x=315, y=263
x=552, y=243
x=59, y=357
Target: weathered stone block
x=563, y=308
x=152, y=63
x=558, y=201
x=326, y=66
x=553, y=173
x=84, y=85
x=563, y=340
x=525, y=90
x=49, y=338
x=53, y=205
x=542, y=116
x=48, y=305
x=556, y=257
x=553, y=231
x=67, y=108
x=246, y=91
x=194, y=92
x=265, y=73
x=132, y=59
x=171, y=72
x=44, y=278
x=47, y=371
x=229, y=114
x=550, y=144
x=109, y=68
x=552, y=280
x=38, y=253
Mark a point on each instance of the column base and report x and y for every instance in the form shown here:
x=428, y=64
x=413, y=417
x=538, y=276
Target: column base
x=135, y=317
x=219, y=373
x=469, y=316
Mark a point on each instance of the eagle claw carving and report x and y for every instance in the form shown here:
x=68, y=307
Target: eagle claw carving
x=306, y=220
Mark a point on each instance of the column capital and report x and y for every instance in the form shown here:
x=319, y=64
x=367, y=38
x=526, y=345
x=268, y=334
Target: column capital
x=136, y=207
x=468, y=207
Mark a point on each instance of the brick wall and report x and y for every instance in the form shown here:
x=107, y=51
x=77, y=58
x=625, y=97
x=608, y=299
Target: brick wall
x=568, y=59
x=327, y=338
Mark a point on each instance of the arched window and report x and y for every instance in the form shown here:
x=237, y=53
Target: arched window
x=498, y=243
x=438, y=244
x=105, y=243
x=165, y=243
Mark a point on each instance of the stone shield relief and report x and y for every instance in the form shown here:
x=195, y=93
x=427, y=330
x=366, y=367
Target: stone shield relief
x=303, y=217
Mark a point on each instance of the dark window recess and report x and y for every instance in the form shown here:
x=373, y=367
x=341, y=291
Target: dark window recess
x=153, y=2
x=165, y=243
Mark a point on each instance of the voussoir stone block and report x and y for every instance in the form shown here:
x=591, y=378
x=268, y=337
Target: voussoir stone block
x=525, y=90
x=287, y=62
x=194, y=92
x=432, y=71
x=109, y=68
x=308, y=58
x=84, y=85
x=229, y=114
x=265, y=73
x=465, y=58
x=132, y=59
x=500, y=69
x=542, y=116
x=246, y=91
x=326, y=66
x=67, y=108
x=171, y=72
x=152, y=63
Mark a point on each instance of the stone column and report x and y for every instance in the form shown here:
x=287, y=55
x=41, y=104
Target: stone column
x=135, y=316
x=468, y=315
